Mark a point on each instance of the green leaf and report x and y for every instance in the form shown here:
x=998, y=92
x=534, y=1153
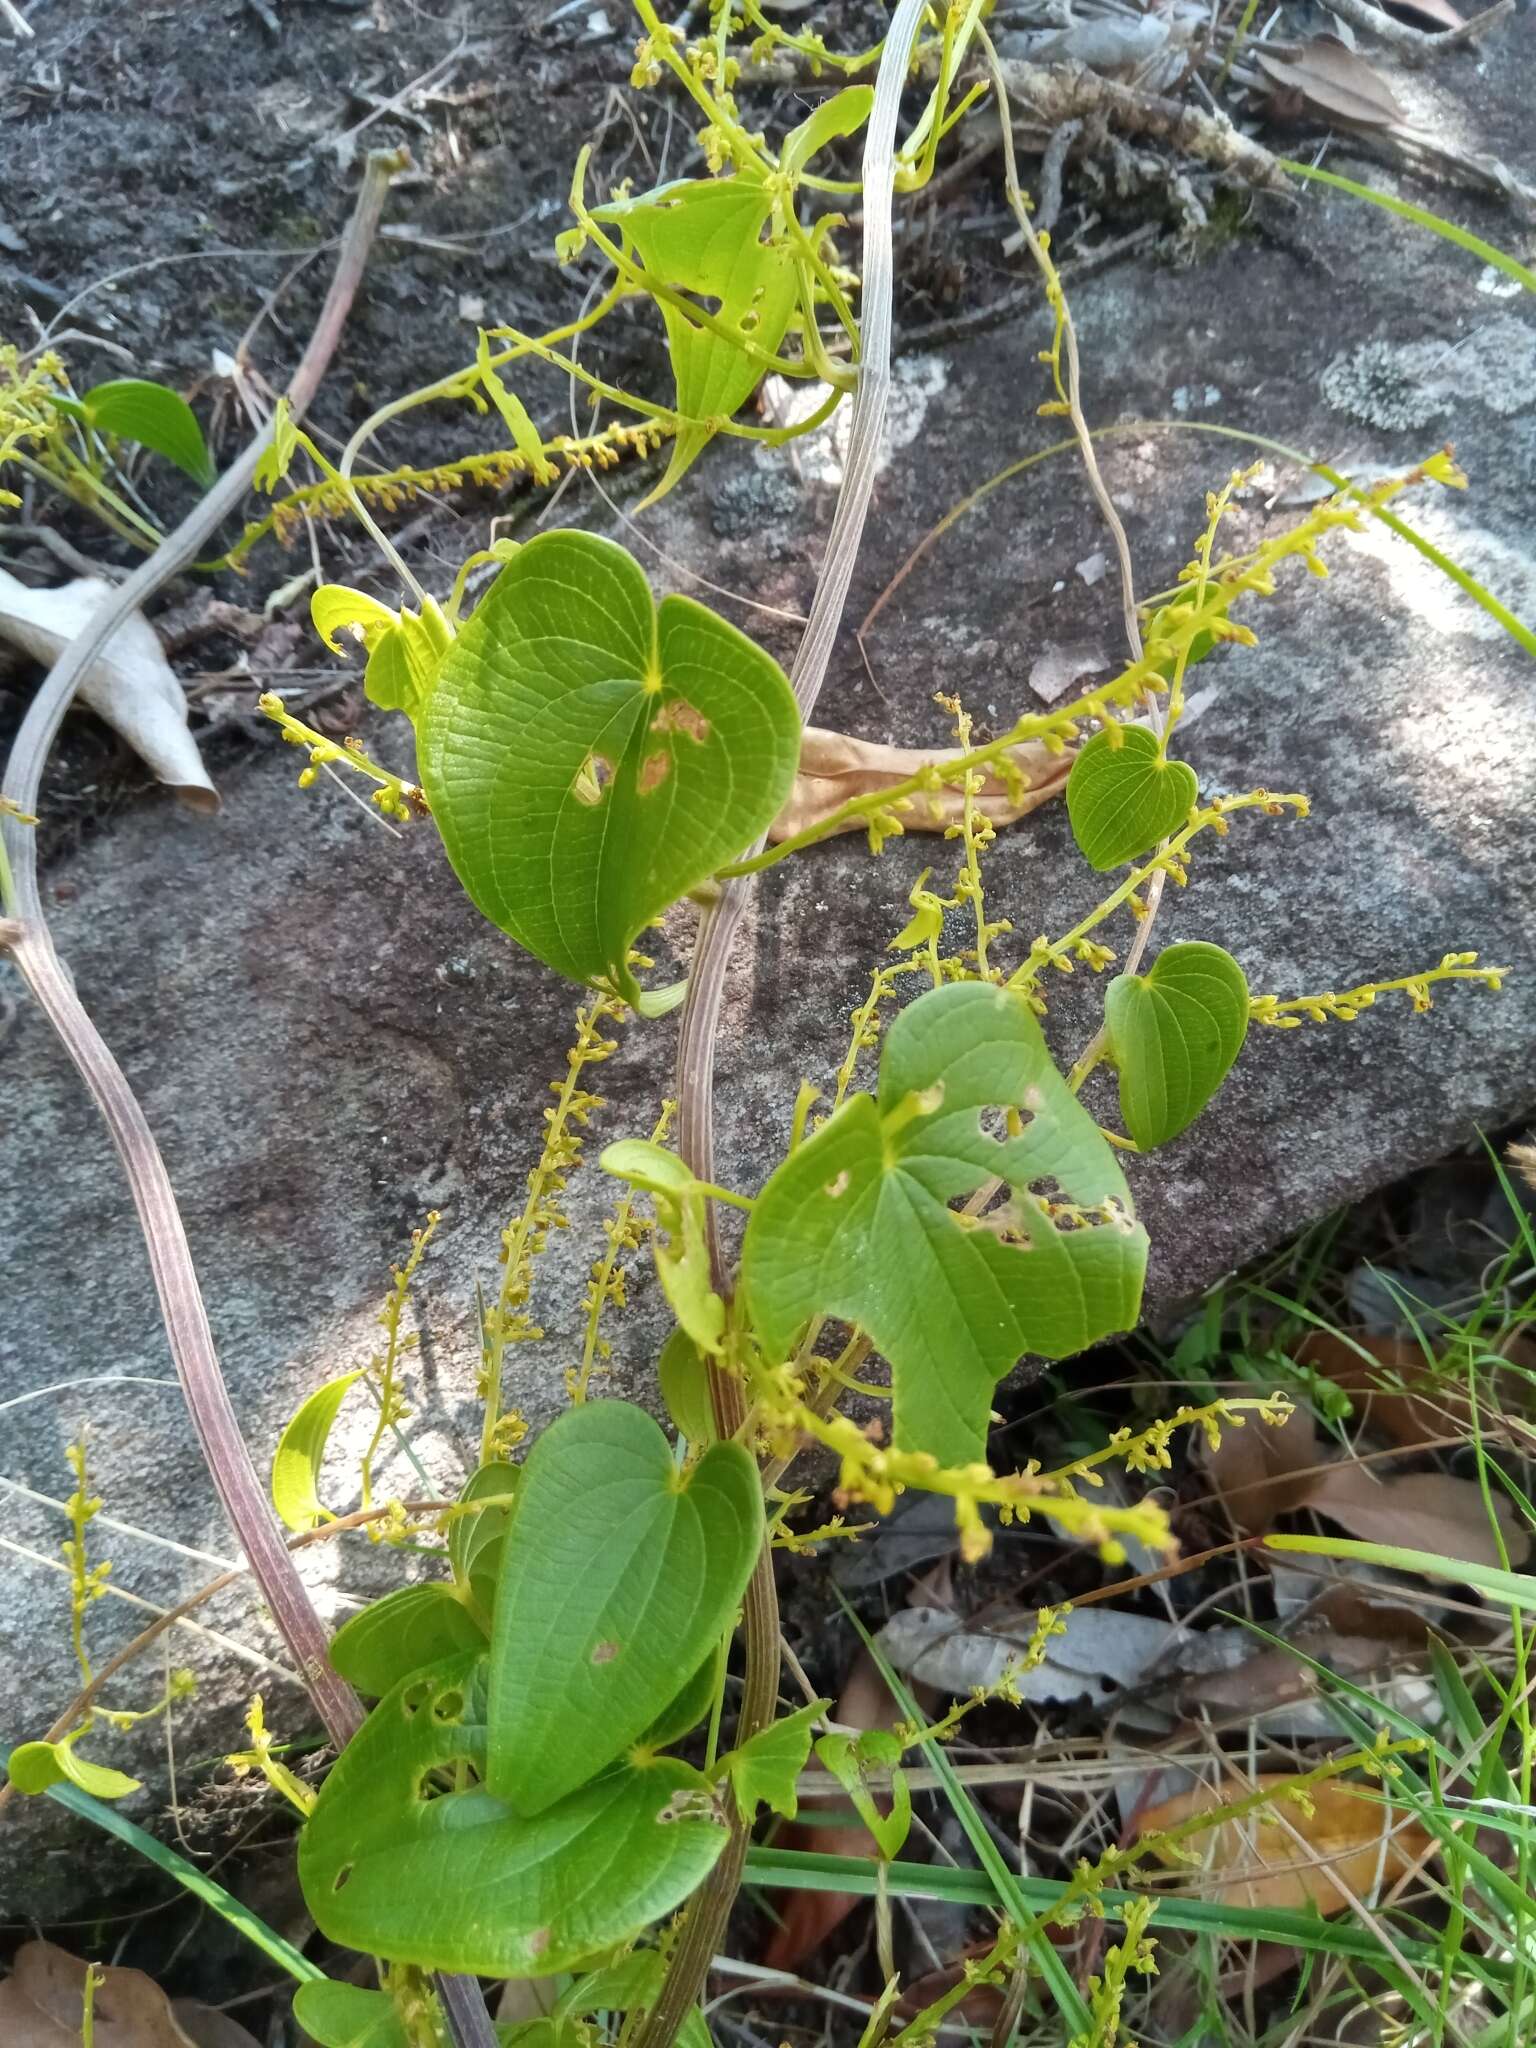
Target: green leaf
x=843, y=114
x=620, y=1573
x=526, y=438
x=1174, y=1034
x=857, y=1222
x=34, y=1766
x=334, y=609
x=633, y=1980
x=679, y=1241
x=277, y=456
x=1122, y=798
x=408, y=1856
x=410, y=1627
x=475, y=1542
x=403, y=663
x=590, y=757
x=684, y=1381
x=156, y=418
x=1510, y=1589
x=347, y=2016
x=300, y=1451
x=850, y=1759
x=705, y=237
x=686, y=1711
x=1162, y=624
x=764, y=1770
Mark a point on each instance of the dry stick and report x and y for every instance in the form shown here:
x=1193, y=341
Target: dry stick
x=708, y=1914
x=26, y=933
x=1415, y=45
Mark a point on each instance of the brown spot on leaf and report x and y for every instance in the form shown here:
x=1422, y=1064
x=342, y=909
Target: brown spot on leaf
x=654, y=770
x=678, y=715
x=604, y=1653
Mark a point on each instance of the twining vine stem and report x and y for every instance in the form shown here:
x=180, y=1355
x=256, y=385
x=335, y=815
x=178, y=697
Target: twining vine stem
x=24, y=931
x=707, y=1916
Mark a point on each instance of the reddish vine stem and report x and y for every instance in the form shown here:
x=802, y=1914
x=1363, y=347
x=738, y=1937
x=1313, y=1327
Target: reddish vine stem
x=25, y=933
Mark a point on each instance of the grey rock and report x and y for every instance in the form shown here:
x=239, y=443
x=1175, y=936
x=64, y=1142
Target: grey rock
x=329, y=1041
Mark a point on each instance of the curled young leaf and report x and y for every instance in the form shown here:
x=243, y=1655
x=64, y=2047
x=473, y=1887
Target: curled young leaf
x=1123, y=797
x=1174, y=1033
x=300, y=1450
x=857, y=1223
x=843, y=114
x=683, y=1377
x=620, y=1574
x=409, y=1856
x=680, y=1242
x=590, y=756
x=33, y=1766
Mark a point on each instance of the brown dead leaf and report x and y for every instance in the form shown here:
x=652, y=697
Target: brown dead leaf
x=1419, y=1511
x=835, y=767
x=1394, y=1390
x=1264, y=1470
x=42, y=2001
x=1334, y=82
x=1346, y=1848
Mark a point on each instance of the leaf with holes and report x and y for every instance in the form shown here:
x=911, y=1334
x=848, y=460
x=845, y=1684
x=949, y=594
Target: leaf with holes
x=704, y=237
x=1174, y=1034
x=300, y=1451
x=857, y=1223
x=157, y=418
x=590, y=756
x=407, y=1854
x=411, y=1627
x=680, y=1240
x=1122, y=798
x=620, y=1573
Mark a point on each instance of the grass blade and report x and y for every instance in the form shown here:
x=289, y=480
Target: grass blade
x=190, y=1878
x=1421, y=217
x=1511, y=1589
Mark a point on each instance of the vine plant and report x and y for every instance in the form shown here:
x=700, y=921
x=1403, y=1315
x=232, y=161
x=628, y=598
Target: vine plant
x=516, y=1805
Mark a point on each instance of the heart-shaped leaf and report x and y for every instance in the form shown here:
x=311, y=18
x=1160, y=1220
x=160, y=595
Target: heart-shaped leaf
x=410, y=1627
x=845, y=112
x=620, y=1573
x=1174, y=1033
x=1122, y=797
x=402, y=1859
x=857, y=1223
x=705, y=236
x=590, y=756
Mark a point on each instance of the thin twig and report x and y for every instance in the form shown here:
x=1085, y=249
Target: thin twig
x=1416, y=45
